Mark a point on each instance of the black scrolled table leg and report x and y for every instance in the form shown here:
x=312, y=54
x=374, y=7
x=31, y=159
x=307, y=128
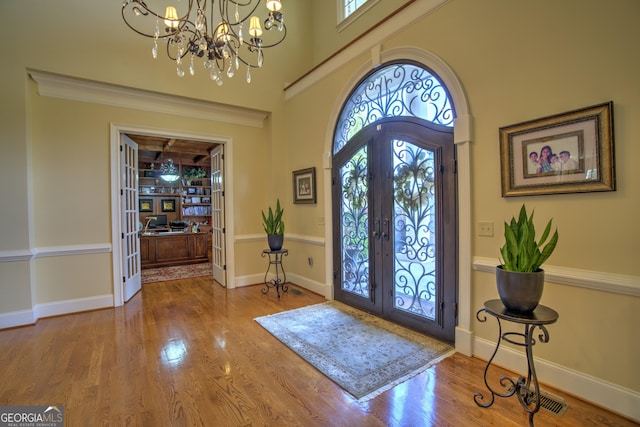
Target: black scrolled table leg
x=506, y=382
x=275, y=259
x=526, y=388
x=526, y=395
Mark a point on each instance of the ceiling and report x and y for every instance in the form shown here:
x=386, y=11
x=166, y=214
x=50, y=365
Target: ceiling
x=155, y=149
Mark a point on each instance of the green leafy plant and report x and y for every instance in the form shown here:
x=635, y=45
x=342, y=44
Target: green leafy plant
x=195, y=173
x=272, y=222
x=521, y=252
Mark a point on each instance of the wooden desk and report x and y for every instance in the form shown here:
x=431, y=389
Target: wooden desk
x=167, y=249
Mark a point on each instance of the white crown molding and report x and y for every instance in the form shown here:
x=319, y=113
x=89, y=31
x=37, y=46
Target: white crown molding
x=76, y=89
x=310, y=240
x=15, y=256
x=388, y=28
x=601, y=281
x=54, y=251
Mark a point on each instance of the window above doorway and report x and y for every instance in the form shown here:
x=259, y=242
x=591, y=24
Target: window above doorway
x=350, y=10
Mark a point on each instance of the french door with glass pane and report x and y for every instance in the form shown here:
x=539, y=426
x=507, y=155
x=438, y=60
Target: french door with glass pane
x=394, y=207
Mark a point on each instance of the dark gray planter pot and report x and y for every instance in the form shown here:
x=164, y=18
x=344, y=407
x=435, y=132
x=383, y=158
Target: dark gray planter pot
x=520, y=292
x=275, y=241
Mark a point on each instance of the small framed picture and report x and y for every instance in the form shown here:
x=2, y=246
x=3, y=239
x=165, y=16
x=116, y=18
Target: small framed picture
x=146, y=205
x=304, y=186
x=168, y=205
x=566, y=153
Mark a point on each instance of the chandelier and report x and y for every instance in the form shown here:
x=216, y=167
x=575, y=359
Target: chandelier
x=169, y=171
x=219, y=37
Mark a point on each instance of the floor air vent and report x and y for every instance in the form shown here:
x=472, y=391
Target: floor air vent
x=553, y=404
x=549, y=402
x=295, y=291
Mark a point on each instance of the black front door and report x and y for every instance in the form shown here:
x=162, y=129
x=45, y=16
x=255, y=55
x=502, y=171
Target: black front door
x=394, y=198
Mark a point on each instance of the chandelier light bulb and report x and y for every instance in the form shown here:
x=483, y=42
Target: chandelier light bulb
x=255, y=30
x=274, y=5
x=223, y=32
x=171, y=17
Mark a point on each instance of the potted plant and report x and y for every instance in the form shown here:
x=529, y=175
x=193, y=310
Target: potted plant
x=519, y=277
x=274, y=227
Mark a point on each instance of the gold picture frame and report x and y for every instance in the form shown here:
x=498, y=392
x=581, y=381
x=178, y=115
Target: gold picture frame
x=168, y=205
x=146, y=205
x=570, y=152
x=304, y=186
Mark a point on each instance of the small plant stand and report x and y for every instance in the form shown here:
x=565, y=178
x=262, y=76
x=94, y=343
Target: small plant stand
x=275, y=259
x=526, y=389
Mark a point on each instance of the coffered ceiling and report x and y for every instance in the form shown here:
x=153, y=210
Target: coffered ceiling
x=155, y=149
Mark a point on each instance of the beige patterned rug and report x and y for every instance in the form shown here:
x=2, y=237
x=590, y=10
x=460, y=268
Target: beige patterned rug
x=163, y=274
x=363, y=354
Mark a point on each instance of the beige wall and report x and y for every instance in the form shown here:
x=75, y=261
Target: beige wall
x=519, y=61
x=515, y=60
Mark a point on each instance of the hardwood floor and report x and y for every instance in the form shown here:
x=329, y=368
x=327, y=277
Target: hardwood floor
x=188, y=353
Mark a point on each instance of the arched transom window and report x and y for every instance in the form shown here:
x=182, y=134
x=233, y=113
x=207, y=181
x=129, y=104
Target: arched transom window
x=396, y=89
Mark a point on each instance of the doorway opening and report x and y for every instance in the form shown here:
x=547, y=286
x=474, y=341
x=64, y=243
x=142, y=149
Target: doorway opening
x=194, y=206
x=394, y=200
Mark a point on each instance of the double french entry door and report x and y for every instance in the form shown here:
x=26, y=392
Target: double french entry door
x=394, y=206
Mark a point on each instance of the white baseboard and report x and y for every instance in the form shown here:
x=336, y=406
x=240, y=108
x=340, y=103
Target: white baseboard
x=17, y=318
x=300, y=281
x=311, y=285
x=249, y=280
x=58, y=308
x=618, y=399
x=464, y=341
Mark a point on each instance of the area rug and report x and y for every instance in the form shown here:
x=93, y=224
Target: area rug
x=163, y=274
x=362, y=353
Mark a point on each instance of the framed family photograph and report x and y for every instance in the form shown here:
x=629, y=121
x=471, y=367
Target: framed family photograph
x=146, y=205
x=168, y=205
x=304, y=186
x=570, y=152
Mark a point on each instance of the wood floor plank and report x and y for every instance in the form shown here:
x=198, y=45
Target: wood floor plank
x=188, y=353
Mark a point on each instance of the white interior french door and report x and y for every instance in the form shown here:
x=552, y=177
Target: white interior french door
x=131, y=274
x=217, y=215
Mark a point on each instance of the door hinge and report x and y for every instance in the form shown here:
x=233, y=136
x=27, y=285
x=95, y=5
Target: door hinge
x=454, y=164
x=122, y=237
x=124, y=280
x=222, y=193
x=121, y=147
x=455, y=310
x=224, y=267
x=224, y=230
x=121, y=192
x=222, y=156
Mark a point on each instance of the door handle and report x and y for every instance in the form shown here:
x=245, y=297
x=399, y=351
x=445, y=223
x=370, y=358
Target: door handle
x=385, y=233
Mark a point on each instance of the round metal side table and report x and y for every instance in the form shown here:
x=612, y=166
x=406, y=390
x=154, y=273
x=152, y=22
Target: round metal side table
x=525, y=388
x=275, y=259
